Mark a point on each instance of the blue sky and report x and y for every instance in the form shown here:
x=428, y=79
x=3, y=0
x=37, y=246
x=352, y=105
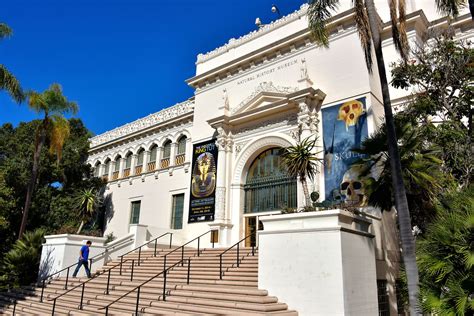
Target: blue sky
x=119, y=59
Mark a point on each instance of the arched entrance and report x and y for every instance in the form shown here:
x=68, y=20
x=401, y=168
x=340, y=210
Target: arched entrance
x=267, y=188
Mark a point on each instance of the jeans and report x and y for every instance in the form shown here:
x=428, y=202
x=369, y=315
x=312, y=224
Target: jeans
x=86, y=266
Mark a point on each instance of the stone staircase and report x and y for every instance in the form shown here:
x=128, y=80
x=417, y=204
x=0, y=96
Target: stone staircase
x=206, y=294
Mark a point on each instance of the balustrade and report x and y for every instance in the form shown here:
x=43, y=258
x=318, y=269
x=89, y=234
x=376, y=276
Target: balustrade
x=179, y=160
x=138, y=170
x=165, y=163
x=126, y=172
x=151, y=166
x=115, y=175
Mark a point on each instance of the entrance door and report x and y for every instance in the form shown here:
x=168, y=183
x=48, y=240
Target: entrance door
x=251, y=228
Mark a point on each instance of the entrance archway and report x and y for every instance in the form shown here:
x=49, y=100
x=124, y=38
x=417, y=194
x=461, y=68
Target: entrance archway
x=267, y=188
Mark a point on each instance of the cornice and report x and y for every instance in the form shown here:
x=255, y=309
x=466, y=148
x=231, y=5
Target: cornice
x=338, y=24
x=177, y=111
x=232, y=43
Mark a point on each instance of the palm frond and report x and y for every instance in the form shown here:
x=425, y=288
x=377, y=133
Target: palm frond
x=450, y=7
x=58, y=134
x=363, y=28
x=9, y=83
x=319, y=12
x=5, y=31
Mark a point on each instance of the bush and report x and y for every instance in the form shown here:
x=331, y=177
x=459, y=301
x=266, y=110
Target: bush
x=20, y=264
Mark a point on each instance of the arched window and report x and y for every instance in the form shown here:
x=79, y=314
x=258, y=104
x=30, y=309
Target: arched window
x=181, y=154
x=105, y=175
x=165, y=160
x=116, y=172
x=153, y=154
x=140, y=158
x=268, y=186
x=128, y=165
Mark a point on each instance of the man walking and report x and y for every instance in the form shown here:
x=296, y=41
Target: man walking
x=83, y=259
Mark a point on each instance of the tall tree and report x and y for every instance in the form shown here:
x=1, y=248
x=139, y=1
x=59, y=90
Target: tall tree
x=8, y=82
x=369, y=27
x=301, y=161
x=52, y=104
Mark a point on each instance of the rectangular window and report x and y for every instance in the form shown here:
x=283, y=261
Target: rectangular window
x=177, y=211
x=135, y=214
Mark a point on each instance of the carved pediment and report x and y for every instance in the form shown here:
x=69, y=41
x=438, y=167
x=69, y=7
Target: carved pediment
x=265, y=93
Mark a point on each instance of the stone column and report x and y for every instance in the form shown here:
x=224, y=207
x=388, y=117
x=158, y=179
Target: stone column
x=133, y=164
x=122, y=164
x=146, y=160
x=174, y=148
x=111, y=169
x=308, y=123
x=159, y=152
x=221, y=221
x=189, y=150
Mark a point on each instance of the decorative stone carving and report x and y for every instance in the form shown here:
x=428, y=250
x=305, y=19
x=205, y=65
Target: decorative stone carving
x=266, y=125
x=148, y=121
x=220, y=202
x=252, y=35
x=303, y=69
x=225, y=97
x=266, y=86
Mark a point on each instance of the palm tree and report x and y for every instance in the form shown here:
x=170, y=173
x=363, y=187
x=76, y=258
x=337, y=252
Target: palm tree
x=421, y=165
x=301, y=161
x=87, y=201
x=52, y=104
x=8, y=82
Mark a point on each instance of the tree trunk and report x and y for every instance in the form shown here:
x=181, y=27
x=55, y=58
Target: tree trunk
x=32, y=183
x=307, y=198
x=80, y=228
x=401, y=203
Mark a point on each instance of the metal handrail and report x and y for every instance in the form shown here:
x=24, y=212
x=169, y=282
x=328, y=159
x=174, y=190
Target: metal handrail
x=182, y=247
x=43, y=281
x=164, y=272
x=238, y=251
x=147, y=243
x=106, y=271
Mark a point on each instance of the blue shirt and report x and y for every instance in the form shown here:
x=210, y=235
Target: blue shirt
x=85, y=252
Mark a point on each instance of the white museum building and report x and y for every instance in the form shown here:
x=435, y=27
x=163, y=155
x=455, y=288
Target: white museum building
x=213, y=162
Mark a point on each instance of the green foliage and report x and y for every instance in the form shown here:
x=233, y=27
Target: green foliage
x=301, y=160
x=421, y=168
x=20, y=264
x=445, y=256
x=8, y=82
x=441, y=75
x=87, y=202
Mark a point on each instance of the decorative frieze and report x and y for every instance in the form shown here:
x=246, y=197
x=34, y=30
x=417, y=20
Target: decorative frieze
x=267, y=125
x=266, y=86
x=143, y=123
x=232, y=43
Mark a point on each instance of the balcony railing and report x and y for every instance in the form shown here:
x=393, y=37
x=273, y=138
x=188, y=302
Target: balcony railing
x=126, y=172
x=151, y=166
x=179, y=160
x=165, y=163
x=115, y=175
x=105, y=178
x=138, y=170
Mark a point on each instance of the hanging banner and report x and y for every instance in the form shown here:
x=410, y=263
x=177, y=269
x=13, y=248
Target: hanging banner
x=344, y=128
x=203, y=182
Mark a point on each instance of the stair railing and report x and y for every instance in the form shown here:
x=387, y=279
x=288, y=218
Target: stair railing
x=137, y=288
x=238, y=260
x=108, y=271
x=139, y=248
x=198, y=238
x=43, y=281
